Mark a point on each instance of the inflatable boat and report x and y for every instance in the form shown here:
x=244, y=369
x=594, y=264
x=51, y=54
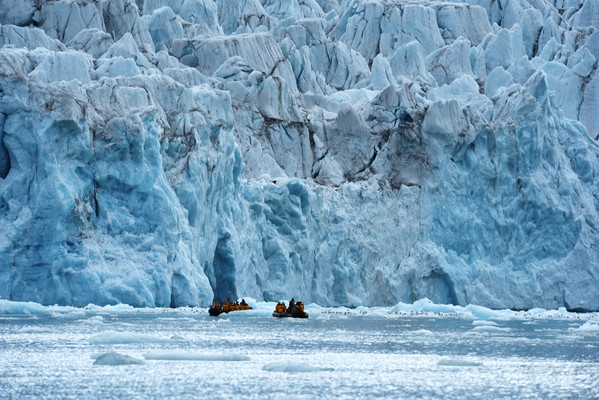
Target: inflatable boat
x=291, y=314
x=227, y=307
x=215, y=312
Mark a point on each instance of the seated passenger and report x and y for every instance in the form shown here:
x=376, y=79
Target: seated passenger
x=299, y=306
x=244, y=305
x=217, y=305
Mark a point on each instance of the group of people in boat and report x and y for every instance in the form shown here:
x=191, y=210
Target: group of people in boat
x=281, y=308
x=230, y=306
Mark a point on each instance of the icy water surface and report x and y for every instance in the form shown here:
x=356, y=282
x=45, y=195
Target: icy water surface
x=336, y=353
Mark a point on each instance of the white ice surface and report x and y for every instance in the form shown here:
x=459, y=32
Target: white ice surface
x=26, y=308
x=491, y=329
x=114, y=337
x=588, y=327
x=290, y=367
x=113, y=358
x=186, y=356
x=458, y=363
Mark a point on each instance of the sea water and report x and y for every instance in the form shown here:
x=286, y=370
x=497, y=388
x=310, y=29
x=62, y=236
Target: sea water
x=118, y=353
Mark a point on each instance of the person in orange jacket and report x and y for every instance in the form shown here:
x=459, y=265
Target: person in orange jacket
x=280, y=307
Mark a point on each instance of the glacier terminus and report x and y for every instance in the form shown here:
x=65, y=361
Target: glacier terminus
x=163, y=153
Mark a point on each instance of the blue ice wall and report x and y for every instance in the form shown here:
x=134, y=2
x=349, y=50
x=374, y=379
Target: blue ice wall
x=163, y=153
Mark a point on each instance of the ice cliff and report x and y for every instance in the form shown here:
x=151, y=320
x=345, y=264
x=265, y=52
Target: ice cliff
x=163, y=152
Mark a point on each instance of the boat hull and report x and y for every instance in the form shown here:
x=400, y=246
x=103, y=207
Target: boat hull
x=215, y=312
x=292, y=314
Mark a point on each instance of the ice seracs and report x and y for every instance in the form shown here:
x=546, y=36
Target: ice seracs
x=162, y=152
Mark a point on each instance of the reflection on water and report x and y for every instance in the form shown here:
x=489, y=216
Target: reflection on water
x=331, y=355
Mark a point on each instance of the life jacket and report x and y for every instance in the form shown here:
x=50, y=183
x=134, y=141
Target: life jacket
x=227, y=306
x=217, y=304
x=299, y=306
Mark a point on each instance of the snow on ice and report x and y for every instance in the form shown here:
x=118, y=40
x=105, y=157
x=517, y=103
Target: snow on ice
x=163, y=153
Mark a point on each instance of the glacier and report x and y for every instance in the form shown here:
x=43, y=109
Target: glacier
x=165, y=153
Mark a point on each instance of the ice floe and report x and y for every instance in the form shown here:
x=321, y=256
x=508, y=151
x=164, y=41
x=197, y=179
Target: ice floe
x=114, y=337
x=190, y=356
x=113, y=358
x=291, y=367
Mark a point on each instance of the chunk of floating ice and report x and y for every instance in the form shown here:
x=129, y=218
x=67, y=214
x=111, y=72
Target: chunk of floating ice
x=424, y=306
x=487, y=328
x=185, y=356
x=422, y=332
x=481, y=322
x=20, y=307
x=458, y=363
x=587, y=327
x=112, y=358
x=113, y=337
x=71, y=314
x=285, y=366
x=34, y=329
x=95, y=320
x=486, y=313
x=117, y=307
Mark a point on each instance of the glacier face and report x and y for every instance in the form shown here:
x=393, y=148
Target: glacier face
x=165, y=152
